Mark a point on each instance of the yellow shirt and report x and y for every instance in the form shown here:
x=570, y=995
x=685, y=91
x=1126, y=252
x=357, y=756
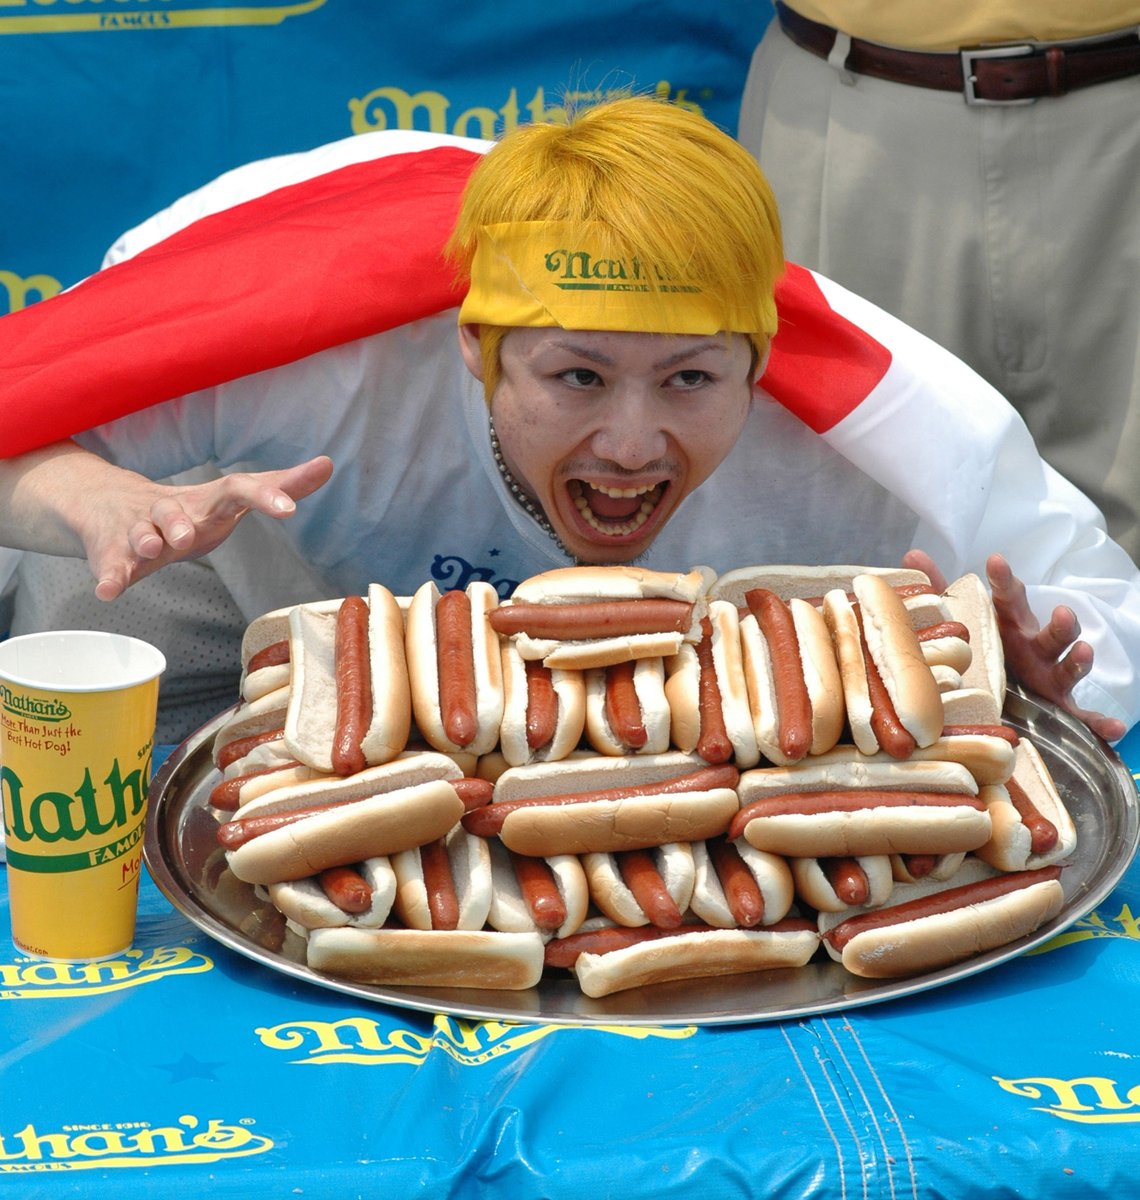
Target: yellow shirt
x=950, y=24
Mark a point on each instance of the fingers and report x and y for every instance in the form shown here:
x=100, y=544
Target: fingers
x=919, y=560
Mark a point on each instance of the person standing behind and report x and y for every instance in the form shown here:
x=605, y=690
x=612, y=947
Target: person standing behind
x=990, y=199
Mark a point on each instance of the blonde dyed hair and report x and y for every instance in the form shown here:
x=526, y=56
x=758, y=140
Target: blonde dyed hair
x=672, y=188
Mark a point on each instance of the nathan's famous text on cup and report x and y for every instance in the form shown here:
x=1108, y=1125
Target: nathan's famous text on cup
x=77, y=713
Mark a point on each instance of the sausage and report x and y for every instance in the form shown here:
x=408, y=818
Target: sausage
x=938, y=902
x=353, y=686
x=999, y=731
x=346, y=888
x=473, y=792
x=623, y=708
x=488, y=821
x=639, y=872
x=944, y=629
x=456, y=666
x=919, y=865
x=593, y=619
x=848, y=800
x=541, y=705
x=1042, y=832
x=443, y=903
x=713, y=744
x=276, y=654
x=892, y=737
x=225, y=795
x=847, y=878
x=240, y=747
x=741, y=891
x=793, y=704
x=543, y=899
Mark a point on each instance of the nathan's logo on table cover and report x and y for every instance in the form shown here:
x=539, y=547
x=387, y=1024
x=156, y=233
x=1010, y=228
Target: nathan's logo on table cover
x=1090, y=1100
x=112, y=1145
x=365, y=1041
x=86, y=16
x=21, y=705
x=36, y=979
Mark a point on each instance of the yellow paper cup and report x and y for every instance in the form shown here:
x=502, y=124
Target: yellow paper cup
x=77, y=713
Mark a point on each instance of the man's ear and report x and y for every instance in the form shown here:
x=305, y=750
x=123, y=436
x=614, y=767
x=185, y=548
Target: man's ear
x=470, y=349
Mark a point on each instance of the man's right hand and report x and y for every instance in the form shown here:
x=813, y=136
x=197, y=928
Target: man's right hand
x=135, y=528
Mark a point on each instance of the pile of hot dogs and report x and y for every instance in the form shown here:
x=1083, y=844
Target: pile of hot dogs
x=639, y=776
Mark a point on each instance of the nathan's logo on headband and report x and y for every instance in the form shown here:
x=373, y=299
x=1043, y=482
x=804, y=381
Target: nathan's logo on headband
x=21, y=705
x=581, y=271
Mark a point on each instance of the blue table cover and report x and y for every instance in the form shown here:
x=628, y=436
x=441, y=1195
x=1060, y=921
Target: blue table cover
x=184, y=1068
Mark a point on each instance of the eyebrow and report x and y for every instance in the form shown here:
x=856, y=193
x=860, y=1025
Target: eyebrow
x=712, y=343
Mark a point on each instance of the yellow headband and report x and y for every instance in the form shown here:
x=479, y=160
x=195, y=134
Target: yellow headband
x=562, y=273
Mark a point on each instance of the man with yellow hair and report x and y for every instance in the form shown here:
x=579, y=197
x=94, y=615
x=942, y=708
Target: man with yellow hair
x=618, y=390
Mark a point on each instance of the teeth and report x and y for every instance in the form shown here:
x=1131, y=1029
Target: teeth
x=652, y=495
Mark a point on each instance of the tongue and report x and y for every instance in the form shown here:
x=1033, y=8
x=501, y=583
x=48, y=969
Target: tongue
x=611, y=508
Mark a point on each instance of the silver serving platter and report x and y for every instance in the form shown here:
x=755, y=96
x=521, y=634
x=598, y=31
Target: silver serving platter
x=183, y=856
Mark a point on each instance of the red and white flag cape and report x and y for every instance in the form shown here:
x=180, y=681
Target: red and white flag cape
x=350, y=252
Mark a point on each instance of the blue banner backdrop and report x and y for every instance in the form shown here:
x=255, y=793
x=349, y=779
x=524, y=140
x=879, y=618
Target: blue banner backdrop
x=111, y=109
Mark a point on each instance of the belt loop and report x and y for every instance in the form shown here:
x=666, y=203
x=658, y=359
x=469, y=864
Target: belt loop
x=837, y=59
x=1055, y=70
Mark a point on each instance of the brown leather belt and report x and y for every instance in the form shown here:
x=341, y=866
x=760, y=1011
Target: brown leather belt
x=1015, y=73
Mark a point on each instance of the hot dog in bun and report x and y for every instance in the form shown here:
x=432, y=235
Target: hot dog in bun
x=626, y=708
x=548, y=896
x=544, y=710
x=295, y=832
x=931, y=924
x=455, y=668
x=615, y=958
x=606, y=804
x=736, y=886
x=592, y=616
x=349, y=702
x=708, y=696
x=643, y=887
x=824, y=810
x=1031, y=824
x=893, y=701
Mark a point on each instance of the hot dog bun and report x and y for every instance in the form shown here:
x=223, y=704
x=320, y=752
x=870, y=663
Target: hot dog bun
x=571, y=586
x=422, y=646
x=432, y=958
x=896, y=940
x=689, y=730
x=311, y=720
x=968, y=600
x=803, y=582
x=377, y=812
x=692, y=955
x=247, y=722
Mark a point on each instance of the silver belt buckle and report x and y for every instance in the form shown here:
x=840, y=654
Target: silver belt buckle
x=976, y=52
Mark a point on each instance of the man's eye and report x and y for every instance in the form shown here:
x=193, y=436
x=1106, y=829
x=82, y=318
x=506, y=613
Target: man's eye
x=689, y=379
x=580, y=377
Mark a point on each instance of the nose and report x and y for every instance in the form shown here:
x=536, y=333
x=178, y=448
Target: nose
x=630, y=434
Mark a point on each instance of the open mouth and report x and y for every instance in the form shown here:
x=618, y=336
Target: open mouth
x=615, y=512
